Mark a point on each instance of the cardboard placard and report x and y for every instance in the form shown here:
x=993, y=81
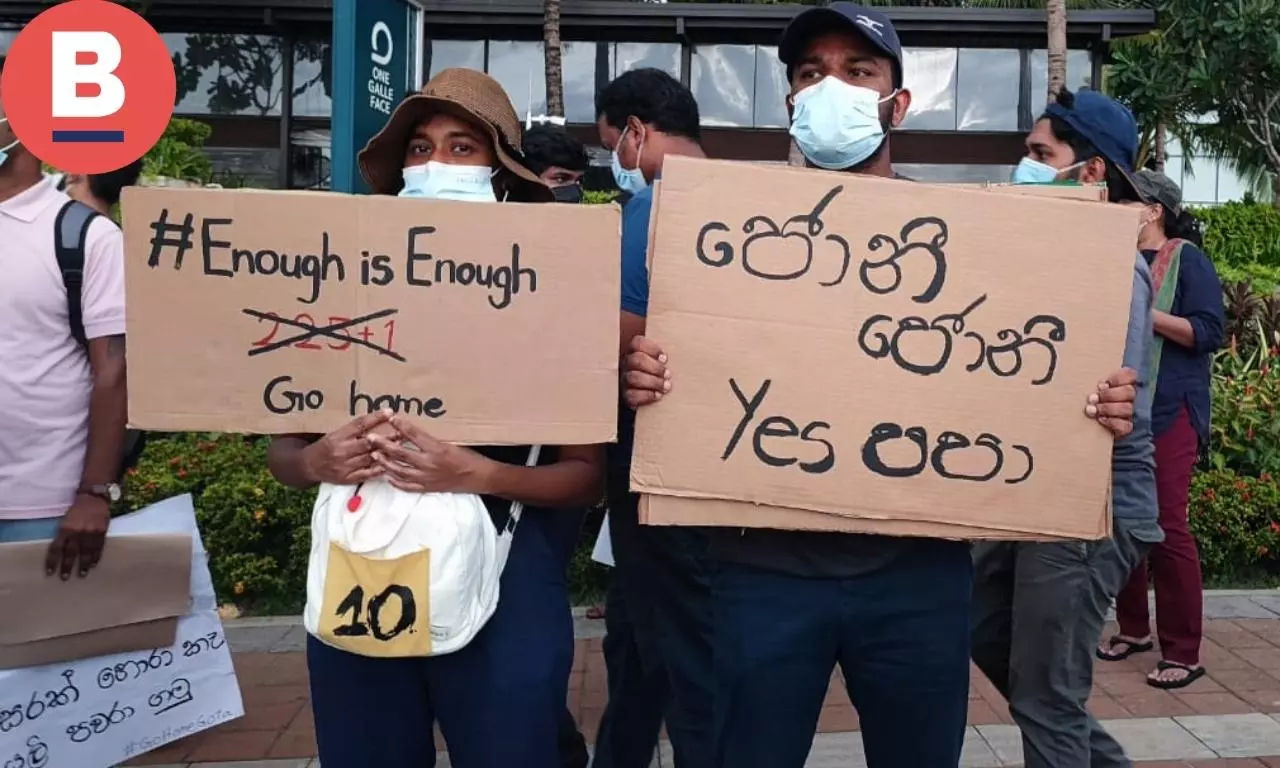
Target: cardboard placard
x=278, y=312
x=874, y=348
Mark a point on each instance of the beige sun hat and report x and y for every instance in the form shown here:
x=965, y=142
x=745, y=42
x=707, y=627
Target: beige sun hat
x=465, y=93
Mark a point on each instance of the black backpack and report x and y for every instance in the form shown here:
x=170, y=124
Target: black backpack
x=71, y=230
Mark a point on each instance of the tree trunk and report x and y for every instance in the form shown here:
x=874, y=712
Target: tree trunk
x=795, y=157
x=1057, y=24
x=1162, y=144
x=551, y=43
x=1275, y=188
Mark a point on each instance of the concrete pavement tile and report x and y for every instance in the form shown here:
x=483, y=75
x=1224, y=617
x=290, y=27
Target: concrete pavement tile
x=977, y=752
x=255, y=639
x=1157, y=738
x=1234, y=607
x=1270, y=602
x=837, y=750
x=1235, y=735
x=294, y=640
x=1005, y=741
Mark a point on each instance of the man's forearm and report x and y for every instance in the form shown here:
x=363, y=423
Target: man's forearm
x=108, y=411
x=1175, y=329
x=285, y=460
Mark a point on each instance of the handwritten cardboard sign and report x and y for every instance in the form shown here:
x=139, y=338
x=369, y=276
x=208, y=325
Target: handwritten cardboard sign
x=275, y=312
x=883, y=350
x=102, y=711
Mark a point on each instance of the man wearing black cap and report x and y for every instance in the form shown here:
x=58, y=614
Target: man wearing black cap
x=789, y=606
x=1039, y=608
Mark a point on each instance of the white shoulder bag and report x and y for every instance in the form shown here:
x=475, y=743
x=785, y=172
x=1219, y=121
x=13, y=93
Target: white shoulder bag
x=396, y=574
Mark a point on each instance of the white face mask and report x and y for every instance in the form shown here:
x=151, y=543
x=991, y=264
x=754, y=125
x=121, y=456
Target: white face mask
x=837, y=125
x=441, y=181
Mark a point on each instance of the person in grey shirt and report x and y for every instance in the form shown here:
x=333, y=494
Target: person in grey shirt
x=1039, y=607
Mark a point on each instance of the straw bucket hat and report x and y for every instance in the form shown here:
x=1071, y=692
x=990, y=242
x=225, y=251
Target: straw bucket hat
x=465, y=93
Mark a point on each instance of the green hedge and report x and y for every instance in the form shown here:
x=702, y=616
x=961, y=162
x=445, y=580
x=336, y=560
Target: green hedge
x=1243, y=240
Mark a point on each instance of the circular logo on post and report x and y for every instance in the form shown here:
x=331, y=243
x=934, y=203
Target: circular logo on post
x=88, y=86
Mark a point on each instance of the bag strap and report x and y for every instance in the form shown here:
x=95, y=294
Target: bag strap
x=517, y=508
x=71, y=233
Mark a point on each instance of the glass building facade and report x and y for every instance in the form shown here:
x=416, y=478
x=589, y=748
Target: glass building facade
x=266, y=93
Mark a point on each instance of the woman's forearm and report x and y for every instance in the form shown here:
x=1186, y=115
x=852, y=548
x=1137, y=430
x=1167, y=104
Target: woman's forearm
x=576, y=479
x=285, y=459
x=1175, y=329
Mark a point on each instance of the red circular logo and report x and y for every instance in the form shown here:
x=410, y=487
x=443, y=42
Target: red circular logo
x=88, y=86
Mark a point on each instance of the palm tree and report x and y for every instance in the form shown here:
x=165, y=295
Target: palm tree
x=1056, y=11
x=551, y=44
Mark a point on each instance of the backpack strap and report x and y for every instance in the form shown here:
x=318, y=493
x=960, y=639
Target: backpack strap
x=71, y=232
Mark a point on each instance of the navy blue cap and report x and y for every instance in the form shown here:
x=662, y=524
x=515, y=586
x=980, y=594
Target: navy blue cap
x=871, y=24
x=1109, y=126
x=1105, y=122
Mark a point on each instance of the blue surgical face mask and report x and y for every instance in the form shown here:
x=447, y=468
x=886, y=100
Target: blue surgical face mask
x=441, y=181
x=4, y=151
x=629, y=180
x=837, y=125
x=1030, y=171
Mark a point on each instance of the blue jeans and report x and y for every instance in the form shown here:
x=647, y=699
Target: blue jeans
x=658, y=643
x=900, y=635
x=499, y=701
x=29, y=530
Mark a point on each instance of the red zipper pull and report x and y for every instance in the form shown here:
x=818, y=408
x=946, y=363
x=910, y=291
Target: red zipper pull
x=355, y=501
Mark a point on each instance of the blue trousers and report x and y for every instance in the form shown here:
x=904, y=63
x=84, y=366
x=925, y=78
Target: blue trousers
x=900, y=635
x=658, y=644
x=499, y=701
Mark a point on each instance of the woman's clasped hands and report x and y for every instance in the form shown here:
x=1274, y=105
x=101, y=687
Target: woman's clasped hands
x=391, y=446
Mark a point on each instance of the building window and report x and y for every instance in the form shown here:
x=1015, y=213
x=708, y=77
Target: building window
x=520, y=67
x=1079, y=75
x=7, y=37
x=445, y=54
x=578, y=74
x=221, y=74
x=312, y=78
x=987, y=89
x=930, y=75
x=310, y=158
x=663, y=56
x=724, y=83
x=771, y=89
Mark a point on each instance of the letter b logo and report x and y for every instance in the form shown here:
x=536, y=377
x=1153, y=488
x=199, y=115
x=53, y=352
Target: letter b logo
x=88, y=86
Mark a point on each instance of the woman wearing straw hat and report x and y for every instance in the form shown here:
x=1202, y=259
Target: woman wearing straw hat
x=499, y=698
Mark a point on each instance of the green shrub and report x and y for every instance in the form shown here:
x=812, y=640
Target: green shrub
x=1245, y=431
x=257, y=531
x=179, y=154
x=1243, y=240
x=597, y=197
x=1236, y=522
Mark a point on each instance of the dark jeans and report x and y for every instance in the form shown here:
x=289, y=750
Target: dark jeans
x=900, y=635
x=1038, y=612
x=499, y=700
x=1175, y=562
x=658, y=643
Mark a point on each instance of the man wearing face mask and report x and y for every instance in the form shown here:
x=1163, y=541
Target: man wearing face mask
x=657, y=647
x=63, y=399
x=1039, y=607
x=789, y=606
x=559, y=160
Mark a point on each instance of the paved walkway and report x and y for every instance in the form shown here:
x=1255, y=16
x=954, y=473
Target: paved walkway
x=1231, y=717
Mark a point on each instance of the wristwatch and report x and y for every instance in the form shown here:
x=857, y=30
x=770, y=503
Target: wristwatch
x=109, y=492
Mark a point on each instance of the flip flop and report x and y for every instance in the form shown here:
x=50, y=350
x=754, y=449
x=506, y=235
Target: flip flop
x=1193, y=674
x=1130, y=648
x=595, y=612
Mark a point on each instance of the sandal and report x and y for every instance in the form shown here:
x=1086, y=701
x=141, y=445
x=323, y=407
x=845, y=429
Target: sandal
x=1129, y=649
x=1193, y=674
x=595, y=612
